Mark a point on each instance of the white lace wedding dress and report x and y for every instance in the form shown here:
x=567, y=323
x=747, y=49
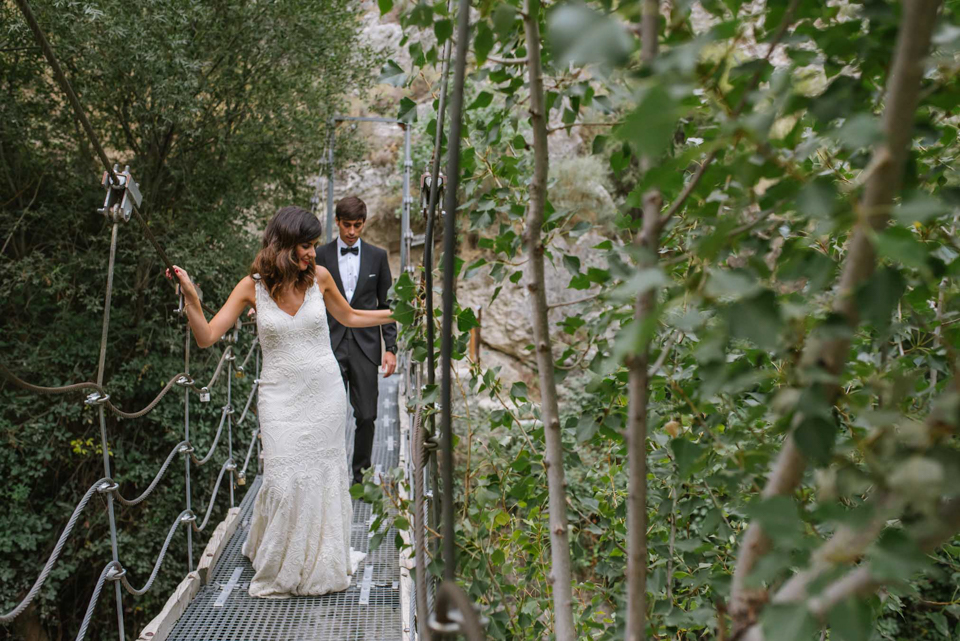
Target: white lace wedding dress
x=299, y=540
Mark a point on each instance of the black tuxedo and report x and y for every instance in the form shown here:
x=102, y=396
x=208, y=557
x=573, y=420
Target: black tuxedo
x=358, y=349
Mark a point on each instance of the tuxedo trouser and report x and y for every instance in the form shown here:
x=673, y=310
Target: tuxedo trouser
x=360, y=378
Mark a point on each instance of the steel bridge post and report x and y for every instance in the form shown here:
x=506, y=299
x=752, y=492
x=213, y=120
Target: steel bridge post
x=331, y=142
x=230, y=359
x=111, y=516
x=186, y=437
x=406, y=235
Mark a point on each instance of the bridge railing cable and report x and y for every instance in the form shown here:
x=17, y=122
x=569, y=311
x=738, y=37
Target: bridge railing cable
x=454, y=613
x=118, y=211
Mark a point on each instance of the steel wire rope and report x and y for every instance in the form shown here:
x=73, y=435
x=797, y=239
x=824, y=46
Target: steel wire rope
x=246, y=407
x=420, y=453
x=227, y=411
x=74, y=101
x=55, y=554
x=184, y=517
x=223, y=359
x=92, y=604
x=242, y=367
x=181, y=379
x=227, y=465
x=177, y=449
x=246, y=461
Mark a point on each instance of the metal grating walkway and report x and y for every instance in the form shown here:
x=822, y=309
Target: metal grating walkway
x=369, y=610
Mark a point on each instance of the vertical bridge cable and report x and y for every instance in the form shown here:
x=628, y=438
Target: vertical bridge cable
x=111, y=517
x=420, y=454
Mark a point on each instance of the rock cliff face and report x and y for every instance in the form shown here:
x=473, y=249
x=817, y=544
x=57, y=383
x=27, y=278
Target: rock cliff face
x=378, y=179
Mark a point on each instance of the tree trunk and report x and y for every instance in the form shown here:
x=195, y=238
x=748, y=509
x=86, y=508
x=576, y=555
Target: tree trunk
x=883, y=184
x=638, y=384
x=560, y=575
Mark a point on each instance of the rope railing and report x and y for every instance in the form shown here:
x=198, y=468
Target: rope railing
x=121, y=185
x=7, y=617
x=177, y=449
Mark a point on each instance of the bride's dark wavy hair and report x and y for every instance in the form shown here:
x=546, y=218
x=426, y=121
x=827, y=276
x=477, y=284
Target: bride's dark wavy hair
x=276, y=262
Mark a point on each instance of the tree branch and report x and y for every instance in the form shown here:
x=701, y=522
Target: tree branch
x=902, y=94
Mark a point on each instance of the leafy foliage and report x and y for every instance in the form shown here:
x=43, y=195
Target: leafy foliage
x=746, y=282
x=216, y=110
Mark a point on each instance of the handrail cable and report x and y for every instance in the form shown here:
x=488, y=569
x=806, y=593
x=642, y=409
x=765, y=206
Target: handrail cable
x=114, y=570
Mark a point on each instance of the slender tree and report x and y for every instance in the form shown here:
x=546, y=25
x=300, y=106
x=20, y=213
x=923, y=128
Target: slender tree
x=638, y=383
x=549, y=407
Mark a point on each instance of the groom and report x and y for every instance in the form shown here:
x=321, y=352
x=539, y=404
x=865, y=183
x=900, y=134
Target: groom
x=362, y=275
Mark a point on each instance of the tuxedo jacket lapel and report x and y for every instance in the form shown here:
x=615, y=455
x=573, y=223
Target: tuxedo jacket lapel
x=366, y=260
x=333, y=264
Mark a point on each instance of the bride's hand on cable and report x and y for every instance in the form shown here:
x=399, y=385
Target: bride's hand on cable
x=186, y=285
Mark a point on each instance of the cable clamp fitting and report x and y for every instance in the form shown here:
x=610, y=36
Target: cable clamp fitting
x=185, y=449
x=123, y=195
x=107, y=486
x=96, y=398
x=190, y=517
x=230, y=466
x=115, y=574
x=228, y=409
x=184, y=381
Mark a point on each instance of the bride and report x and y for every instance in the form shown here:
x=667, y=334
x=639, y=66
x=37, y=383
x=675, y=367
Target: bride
x=299, y=539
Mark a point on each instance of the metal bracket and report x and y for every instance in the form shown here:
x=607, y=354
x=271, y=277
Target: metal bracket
x=96, y=398
x=107, y=487
x=122, y=196
x=114, y=574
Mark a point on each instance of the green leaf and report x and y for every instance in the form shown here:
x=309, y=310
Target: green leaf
x=392, y=74
x=443, y=30
x=900, y=244
x=687, y=454
x=788, y=623
x=756, y=319
x=862, y=130
x=651, y=126
x=482, y=100
x=778, y=517
x=504, y=20
x=408, y=110
x=896, y=557
x=519, y=391
x=385, y=6
x=878, y=297
x=482, y=42
x=921, y=208
x=731, y=284
x=816, y=437
x=586, y=428
x=467, y=320
x=818, y=199
x=851, y=620
x=421, y=15
x=578, y=34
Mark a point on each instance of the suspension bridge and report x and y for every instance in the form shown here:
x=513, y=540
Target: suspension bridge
x=392, y=595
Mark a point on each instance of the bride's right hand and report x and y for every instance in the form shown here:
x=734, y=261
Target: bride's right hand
x=186, y=285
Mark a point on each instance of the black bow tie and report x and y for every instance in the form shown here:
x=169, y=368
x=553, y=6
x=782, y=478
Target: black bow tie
x=350, y=250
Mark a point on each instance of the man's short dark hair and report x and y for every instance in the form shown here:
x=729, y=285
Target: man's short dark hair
x=351, y=208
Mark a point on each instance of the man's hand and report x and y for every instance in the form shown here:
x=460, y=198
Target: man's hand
x=389, y=363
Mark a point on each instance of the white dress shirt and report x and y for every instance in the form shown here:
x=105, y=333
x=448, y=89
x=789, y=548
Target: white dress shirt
x=349, y=268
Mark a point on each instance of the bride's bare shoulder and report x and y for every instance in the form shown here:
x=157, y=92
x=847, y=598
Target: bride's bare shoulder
x=323, y=276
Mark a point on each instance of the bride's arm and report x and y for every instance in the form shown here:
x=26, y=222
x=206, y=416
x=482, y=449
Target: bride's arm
x=209, y=333
x=340, y=309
